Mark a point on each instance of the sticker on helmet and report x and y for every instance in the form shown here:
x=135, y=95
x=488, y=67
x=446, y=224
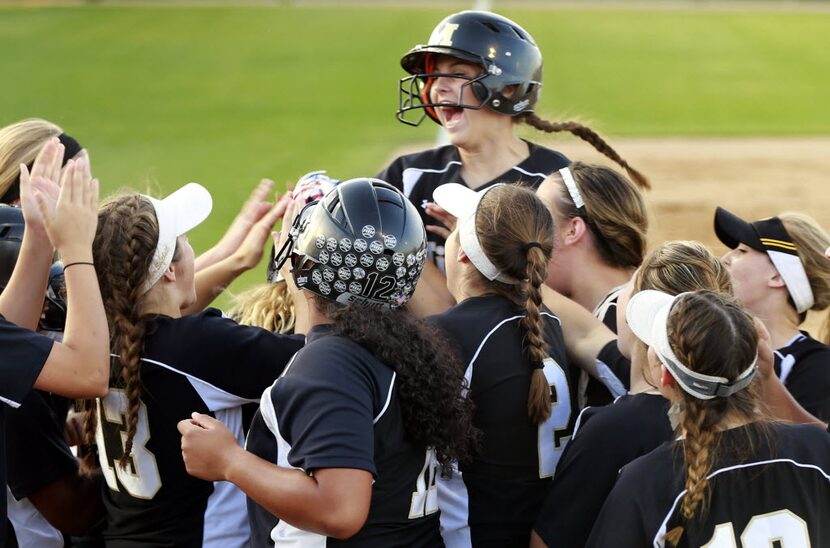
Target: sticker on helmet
x=355, y=288
x=344, y=273
x=410, y=259
x=366, y=260
x=398, y=259
x=400, y=272
x=340, y=286
x=413, y=272
x=390, y=241
x=328, y=275
x=320, y=242
x=325, y=288
x=376, y=247
x=323, y=256
x=360, y=245
x=336, y=259
x=351, y=260
x=368, y=231
x=345, y=245
x=359, y=273
x=331, y=244
x=316, y=277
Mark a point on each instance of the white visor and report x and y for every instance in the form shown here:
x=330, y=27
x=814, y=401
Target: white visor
x=647, y=315
x=462, y=202
x=176, y=214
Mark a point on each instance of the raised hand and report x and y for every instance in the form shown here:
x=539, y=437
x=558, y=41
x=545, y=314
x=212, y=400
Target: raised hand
x=254, y=208
x=440, y=214
x=71, y=222
x=43, y=179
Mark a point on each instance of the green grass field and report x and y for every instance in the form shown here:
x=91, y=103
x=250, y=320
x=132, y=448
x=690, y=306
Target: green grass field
x=225, y=95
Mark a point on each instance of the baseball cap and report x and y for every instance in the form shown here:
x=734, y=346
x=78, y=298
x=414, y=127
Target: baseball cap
x=647, y=315
x=176, y=214
x=769, y=236
x=462, y=202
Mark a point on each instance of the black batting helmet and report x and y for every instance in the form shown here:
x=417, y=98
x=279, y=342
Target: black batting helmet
x=507, y=54
x=364, y=243
x=11, y=237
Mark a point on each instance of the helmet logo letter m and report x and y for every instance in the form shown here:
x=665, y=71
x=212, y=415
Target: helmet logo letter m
x=443, y=35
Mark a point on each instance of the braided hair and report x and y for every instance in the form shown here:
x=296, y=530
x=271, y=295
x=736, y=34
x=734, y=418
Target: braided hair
x=516, y=233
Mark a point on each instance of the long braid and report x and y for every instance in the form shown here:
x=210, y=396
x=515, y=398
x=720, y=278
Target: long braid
x=590, y=136
x=697, y=451
x=538, y=399
x=516, y=233
x=123, y=248
x=700, y=325
x=88, y=461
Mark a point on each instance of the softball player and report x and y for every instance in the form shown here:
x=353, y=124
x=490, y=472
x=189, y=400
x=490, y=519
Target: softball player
x=730, y=478
x=477, y=76
x=602, y=224
x=607, y=438
x=343, y=450
x=165, y=365
x=515, y=364
x=78, y=368
x=780, y=272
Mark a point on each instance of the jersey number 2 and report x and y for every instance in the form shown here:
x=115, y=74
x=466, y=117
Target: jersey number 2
x=550, y=439
x=781, y=527
x=141, y=476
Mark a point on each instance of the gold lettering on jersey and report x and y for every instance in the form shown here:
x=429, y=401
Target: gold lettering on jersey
x=443, y=36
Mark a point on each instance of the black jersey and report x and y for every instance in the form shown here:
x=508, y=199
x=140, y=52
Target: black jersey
x=777, y=497
x=494, y=499
x=804, y=367
x=203, y=363
x=418, y=175
x=604, y=440
x=22, y=355
x=336, y=406
x=37, y=455
x=615, y=383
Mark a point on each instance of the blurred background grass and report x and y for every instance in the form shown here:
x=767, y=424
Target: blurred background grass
x=227, y=95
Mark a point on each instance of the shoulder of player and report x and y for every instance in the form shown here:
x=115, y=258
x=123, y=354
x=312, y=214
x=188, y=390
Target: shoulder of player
x=337, y=357
x=426, y=160
x=544, y=160
x=617, y=423
x=804, y=442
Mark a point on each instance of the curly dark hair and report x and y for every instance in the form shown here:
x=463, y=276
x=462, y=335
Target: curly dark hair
x=431, y=385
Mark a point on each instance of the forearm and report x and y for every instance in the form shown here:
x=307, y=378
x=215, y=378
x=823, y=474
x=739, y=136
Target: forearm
x=584, y=335
x=782, y=405
x=292, y=495
x=22, y=300
x=211, y=257
x=85, y=370
x=213, y=280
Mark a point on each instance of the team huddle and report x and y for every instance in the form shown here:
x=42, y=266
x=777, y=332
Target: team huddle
x=472, y=349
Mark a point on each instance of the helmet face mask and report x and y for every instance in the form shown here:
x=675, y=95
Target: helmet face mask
x=363, y=243
x=510, y=60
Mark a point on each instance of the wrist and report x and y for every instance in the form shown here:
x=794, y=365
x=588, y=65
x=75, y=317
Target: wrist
x=234, y=463
x=75, y=254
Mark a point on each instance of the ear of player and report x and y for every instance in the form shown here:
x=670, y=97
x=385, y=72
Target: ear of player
x=363, y=243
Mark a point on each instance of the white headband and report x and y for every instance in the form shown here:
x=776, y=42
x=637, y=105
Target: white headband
x=795, y=278
x=462, y=202
x=176, y=214
x=570, y=184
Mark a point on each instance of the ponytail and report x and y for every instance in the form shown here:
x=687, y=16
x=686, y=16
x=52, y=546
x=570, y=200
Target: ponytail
x=538, y=399
x=590, y=136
